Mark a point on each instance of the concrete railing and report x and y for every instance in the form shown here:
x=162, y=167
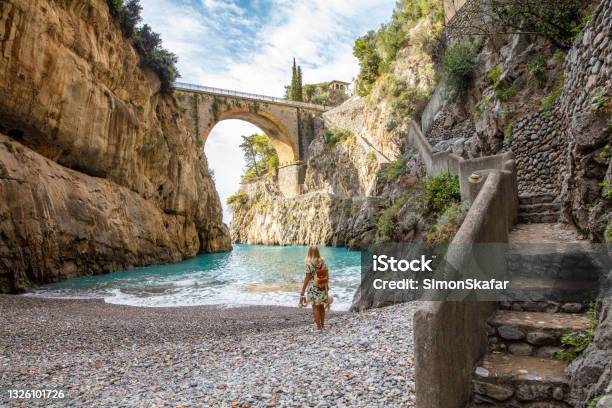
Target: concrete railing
x=450, y=337
x=447, y=162
x=183, y=86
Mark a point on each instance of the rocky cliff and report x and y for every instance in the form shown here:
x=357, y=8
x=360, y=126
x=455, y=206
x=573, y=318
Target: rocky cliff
x=346, y=185
x=73, y=90
x=265, y=217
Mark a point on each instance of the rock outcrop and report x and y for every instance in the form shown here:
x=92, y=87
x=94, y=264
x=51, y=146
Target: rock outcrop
x=265, y=217
x=57, y=223
x=73, y=90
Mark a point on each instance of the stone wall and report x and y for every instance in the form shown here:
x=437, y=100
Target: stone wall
x=463, y=19
x=538, y=142
x=586, y=104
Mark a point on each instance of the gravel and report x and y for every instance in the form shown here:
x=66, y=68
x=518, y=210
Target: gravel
x=109, y=355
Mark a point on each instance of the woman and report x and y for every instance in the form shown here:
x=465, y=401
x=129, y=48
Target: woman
x=316, y=282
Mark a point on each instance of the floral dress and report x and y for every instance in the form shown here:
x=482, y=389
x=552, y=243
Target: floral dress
x=315, y=296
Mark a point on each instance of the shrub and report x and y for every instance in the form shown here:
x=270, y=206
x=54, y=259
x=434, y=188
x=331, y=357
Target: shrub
x=537, y=67
x=549, y=100
x=237, y=199
x=335, y=136
x=146, y=42
x=572, y=344
x=440, y=192
x=386, y=221
x=396, y=169
x=606, y=189
x=448, y=224
x=593, y=403
x=458, y=64
x=405, y=100
x=494, y=76
x=508, y=132
x=390, y=39
x=377, y=50
x=599, y=101
x=505, y=95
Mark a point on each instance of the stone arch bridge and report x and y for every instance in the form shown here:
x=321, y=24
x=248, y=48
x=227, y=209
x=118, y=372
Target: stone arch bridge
x=290, y=125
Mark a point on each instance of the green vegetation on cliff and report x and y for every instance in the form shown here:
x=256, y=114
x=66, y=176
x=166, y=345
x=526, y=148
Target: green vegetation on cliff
x=440, y=192
x=377, y=50
x=459, y=63
x=260, y=156
x=147, y=42
x=335, y=136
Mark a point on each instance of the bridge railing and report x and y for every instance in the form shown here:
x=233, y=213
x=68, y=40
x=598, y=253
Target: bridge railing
x=184, y=86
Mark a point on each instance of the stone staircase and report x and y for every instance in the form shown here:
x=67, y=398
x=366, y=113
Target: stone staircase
x=539, y=208
x=520, y=369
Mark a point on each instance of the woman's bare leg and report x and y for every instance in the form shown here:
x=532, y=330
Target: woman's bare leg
x=319, y=310
x=322, y=316
x=315, y=315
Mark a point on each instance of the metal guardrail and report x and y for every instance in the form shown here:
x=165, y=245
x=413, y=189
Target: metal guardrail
x=183, y=86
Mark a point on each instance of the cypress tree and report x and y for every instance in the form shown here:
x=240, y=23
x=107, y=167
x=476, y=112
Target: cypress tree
x=298, y=90
x=293, y=88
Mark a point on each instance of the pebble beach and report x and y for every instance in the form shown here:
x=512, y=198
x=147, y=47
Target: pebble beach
x=107, y=355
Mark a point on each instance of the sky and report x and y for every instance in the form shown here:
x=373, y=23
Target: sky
x=249, y=45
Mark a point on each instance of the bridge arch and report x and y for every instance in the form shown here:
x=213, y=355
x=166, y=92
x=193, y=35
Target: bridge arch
x=283, y=143
x=289, y=125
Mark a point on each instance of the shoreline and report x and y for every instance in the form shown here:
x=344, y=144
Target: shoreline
x=115, y=355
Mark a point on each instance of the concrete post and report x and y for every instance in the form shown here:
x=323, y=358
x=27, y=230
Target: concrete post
x=475, y=183
x=291, y=179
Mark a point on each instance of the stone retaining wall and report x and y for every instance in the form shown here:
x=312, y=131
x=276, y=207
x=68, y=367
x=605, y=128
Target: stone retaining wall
x=538, y=143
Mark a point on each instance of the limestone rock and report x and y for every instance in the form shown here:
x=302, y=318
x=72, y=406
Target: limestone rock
x=72, y=89
x=57, y=223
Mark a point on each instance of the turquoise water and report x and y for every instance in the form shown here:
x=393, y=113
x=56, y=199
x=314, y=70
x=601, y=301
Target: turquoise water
x=249, y=275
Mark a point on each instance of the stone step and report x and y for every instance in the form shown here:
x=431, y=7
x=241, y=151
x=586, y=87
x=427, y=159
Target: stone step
x=532, y=333
x=538, y=218
x=539, y=208
x=544, y=306
x=536, y=199
x=505, y=380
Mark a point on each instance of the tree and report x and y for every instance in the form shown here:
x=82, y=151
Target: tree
x=260, y=156
x=369, y=61
x=248, y=148
x=158, y=59
x=130, y=17
x=294, y=91
x=298, y=88
x=557, y=20
x=147, y=43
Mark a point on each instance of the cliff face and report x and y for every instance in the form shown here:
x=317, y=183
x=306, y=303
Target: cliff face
x=265, y=217
x=72, y=90
x=346, y=184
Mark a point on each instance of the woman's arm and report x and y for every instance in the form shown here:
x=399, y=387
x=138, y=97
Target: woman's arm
x=306, y=280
